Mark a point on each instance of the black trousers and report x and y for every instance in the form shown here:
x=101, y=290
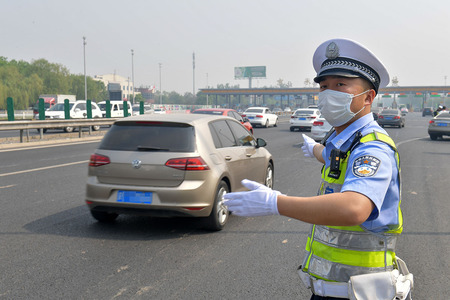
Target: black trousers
x=315, y=297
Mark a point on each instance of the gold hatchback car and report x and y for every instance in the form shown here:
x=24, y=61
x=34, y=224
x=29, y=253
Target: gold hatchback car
x=174, y=165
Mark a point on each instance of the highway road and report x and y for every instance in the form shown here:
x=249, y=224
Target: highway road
x=51, y=248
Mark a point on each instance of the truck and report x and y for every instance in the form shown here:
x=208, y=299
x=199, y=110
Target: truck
x=50, y=100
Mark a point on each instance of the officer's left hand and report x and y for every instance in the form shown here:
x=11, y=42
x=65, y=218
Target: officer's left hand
x=259, y=201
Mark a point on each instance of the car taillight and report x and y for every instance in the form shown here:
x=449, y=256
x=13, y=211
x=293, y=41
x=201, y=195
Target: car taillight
x=259, y=116
x=293, y=117
x=396, y=117
x=243, y=116
x=98, y=160
x=312, y=117
x=380, y=117
x=318, y=123
x=431, y=121
x=188, y=164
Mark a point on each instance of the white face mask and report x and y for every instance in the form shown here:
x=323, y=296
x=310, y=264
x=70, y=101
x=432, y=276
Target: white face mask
x=335, y=107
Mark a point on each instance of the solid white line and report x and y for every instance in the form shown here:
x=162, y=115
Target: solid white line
x=7, y=186
x=25, y=147
x=411, y=140
x=45, y=168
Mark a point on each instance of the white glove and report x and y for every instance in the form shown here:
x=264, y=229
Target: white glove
x=308, y=146
x=259, y=201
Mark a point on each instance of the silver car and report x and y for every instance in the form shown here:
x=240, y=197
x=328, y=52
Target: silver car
x=174, y=165
x=320, y=129
x=439, y=125
x=303, y=118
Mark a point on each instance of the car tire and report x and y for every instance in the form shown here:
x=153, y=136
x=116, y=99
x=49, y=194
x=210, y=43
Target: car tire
x=96, y=127
x=68, y=129
x=291, y=129
x=219, y=214
x=103, y=216
x=268, y=181
x=267, y=123
x=433, y=136
x=276, y=123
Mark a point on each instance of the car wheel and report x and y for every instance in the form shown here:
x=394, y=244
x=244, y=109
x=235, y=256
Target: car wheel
x=269, y=176
x=433, y=136
x=68, y=129
x=276, y=123
x=267, y=123
x=291, y=129
x=103, y=216
x=96, y=127
x=219, y=214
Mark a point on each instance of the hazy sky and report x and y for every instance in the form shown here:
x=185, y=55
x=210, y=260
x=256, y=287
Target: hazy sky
x=411, y=37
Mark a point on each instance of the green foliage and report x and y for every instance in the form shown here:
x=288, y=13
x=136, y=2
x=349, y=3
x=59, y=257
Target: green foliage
x=24, y=82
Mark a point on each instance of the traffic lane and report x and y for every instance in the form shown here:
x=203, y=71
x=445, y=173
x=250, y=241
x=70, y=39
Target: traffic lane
x=56, y=234
x=21, y=159
x=266, y=258
x=425, y=242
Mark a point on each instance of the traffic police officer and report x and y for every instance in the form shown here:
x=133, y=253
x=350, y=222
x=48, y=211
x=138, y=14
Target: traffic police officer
x=356, y=215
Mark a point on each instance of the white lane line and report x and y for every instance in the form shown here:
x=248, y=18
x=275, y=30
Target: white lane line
x=25, y=147
x=411, y=140
x=7, y=186
x=45, y=168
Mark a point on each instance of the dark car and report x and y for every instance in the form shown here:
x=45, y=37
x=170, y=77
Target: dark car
x=391, y=117
x=427, y=111
x=439, y=125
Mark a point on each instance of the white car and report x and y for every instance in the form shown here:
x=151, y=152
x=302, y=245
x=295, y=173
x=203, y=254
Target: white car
x=77, y=110
x=320, y=129
x=159, y=111
x=116, y=108
x=261, y=116
x=303, y=118
x=147, y=109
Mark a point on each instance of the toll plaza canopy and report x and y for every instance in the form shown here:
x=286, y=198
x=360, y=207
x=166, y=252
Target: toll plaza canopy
x=417, y=96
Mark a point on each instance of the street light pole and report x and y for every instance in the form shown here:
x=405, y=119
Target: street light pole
x=207, y=86
x=193, y=74
x=84, y=58
x=132, y=72
x=160, y=93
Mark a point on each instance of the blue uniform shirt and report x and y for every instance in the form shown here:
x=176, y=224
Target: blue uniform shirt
x=380, y=183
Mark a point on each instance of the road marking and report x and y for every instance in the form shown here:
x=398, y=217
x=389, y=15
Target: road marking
x=24, y=147
x=7, y=186
x=411, y=140
x=45, y=168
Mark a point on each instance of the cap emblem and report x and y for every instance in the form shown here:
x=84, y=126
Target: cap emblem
x=332, y=51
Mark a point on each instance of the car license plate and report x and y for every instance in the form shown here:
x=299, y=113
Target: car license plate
x=134, y=197
x=302, y=119
x=442, y=124
x=250, y=117
x=388, y=118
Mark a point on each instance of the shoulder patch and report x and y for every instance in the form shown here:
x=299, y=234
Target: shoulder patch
x=365, y=166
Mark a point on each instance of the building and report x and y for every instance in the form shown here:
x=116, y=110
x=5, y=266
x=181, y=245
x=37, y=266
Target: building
x=126, y=85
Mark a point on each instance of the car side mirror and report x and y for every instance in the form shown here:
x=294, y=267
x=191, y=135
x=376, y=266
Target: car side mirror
x=260, y=143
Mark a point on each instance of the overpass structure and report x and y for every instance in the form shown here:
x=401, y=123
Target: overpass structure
x=414, y=97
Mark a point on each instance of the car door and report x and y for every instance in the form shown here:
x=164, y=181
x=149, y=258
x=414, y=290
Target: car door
x=230, y=153
x=253, y=164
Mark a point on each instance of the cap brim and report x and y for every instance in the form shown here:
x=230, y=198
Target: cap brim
x=334, y=72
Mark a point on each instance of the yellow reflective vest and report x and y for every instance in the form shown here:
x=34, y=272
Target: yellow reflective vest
x=334, y=253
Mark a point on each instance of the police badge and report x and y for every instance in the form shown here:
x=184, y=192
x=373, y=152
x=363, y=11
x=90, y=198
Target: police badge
x=332, y=51
x=365, y=166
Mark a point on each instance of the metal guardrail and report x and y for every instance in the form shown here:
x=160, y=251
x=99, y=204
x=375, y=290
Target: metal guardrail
x=47, y=124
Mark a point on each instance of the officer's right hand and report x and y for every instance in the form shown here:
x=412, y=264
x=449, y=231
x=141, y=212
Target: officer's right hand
x=308, y=146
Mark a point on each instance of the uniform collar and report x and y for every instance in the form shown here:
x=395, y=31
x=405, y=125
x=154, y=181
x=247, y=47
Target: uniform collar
x=347, y=133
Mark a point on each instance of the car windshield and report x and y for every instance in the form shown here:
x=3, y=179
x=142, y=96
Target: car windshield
x=149, y=136
x=443, y=115
x=304, y=112
x=59, y=107
x=254, y=110
x=209, y=112
x=389, y=112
